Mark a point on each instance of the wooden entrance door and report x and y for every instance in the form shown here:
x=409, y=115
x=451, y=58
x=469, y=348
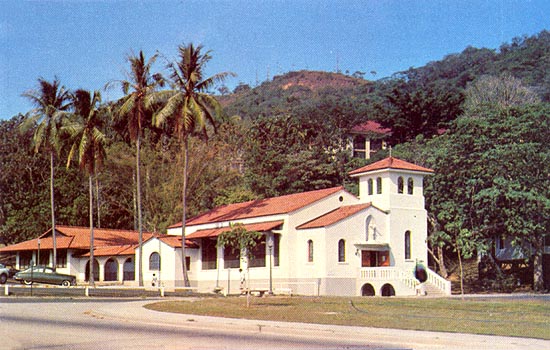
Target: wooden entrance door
x=367, y=258
x=371, y=258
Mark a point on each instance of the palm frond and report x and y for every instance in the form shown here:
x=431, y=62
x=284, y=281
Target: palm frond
x=172, y=107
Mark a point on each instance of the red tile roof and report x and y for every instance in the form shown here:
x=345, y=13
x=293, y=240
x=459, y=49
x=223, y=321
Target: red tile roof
x=334, y=216
x=174, y=241
x=261, y=207
x=259, y=227
x=390, y=163
x=113, y=250
x=370, y=126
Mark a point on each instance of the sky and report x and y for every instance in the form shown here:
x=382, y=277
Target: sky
x=85, y=44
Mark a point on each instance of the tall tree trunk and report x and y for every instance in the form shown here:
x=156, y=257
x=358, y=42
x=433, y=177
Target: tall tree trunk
x=459, y=253
x=98, y=204
x=140, y=229
x=442, y=266
x=134, y=199
x=439, y=259
x=538, y=274
x=91, y=279
x=54, y=264
x=184, y=211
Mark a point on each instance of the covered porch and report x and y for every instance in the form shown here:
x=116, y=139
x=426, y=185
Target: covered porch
x=390, y=281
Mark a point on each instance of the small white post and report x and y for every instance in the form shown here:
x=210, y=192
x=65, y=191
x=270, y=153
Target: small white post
x=6, y=290
x=162, y=291
x=86, y=291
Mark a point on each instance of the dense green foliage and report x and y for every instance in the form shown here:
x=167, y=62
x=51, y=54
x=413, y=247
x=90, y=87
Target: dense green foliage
x=491, y=180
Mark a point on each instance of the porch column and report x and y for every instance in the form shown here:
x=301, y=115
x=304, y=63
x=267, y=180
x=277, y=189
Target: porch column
x=101, y=271
x=120, y=274
x=220, y=258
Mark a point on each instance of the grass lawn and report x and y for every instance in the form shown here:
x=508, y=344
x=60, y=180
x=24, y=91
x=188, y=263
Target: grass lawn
x=522, y=318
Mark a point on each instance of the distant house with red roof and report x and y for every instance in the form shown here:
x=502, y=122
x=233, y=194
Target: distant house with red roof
x=368, y=138
x=322, y=242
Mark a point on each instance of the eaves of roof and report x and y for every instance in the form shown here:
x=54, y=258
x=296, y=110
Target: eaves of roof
x=390, y=163
x=334, y=216
x=214, y=232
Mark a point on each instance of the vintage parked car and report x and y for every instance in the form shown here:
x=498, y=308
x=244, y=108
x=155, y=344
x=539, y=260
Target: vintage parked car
x=4, y=274
x=44, y=274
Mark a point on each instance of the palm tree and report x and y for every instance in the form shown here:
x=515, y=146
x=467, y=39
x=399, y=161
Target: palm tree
x=89, y=143
x=50, y=99
x=139, y=84
x=190, y=108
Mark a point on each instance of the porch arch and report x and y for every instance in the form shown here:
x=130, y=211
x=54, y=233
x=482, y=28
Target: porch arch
x=387, y=290
x=111, y=270
x=129, y=270
x=367, y=290
x=96, y=270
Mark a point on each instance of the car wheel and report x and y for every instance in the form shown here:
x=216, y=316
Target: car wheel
x=66, y=283
x=3, y=278
x=27, y=282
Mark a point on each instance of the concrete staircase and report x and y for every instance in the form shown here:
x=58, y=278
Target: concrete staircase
x=432, y=291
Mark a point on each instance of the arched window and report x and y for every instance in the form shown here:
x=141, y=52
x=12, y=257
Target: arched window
x=400, y=184
x=370, y=187
x=410, y=185
x=407, y=245
x=154, y=262
x=379, y=185
x=310, y=251
x=341, y=250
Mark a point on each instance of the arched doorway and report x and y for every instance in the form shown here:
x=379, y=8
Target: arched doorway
x=387, y=290
x=129, y=270
x=367, y=290
x=111, y=270
x=96, y=270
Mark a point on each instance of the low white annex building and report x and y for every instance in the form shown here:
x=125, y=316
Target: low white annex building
x=323, y=242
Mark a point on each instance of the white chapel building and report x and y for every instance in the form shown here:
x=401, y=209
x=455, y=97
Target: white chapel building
x=324, y=242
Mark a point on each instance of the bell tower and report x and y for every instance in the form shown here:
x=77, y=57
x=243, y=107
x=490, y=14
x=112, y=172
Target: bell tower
x=396, y=187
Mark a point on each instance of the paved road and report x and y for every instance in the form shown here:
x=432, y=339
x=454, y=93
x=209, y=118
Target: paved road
x=30, y=323
x=27, y=323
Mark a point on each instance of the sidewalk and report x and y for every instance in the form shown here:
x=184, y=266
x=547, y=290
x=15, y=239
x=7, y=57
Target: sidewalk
x=405, y=339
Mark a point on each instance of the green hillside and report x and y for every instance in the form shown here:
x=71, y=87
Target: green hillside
x=416, y=101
